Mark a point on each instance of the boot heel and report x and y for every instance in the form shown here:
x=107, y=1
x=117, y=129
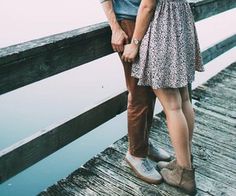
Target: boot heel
x=180, y=177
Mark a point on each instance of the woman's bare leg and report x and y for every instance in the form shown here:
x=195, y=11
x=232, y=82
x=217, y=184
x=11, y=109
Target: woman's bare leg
x=176, y=122
x=188, y=112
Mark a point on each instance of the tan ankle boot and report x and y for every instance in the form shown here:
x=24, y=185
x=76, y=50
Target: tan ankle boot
x=180, y=177
x=164, y=164
x=169, y=165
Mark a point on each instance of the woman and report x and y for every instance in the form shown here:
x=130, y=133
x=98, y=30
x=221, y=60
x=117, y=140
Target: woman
x=166, y=40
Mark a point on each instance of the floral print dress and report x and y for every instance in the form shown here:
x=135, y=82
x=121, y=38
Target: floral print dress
x=169, y=53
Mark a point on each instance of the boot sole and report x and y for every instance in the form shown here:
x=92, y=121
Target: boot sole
x=192, y=193
x=150, y=181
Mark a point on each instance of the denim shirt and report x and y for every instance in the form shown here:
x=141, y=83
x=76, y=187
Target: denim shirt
x=125, y=9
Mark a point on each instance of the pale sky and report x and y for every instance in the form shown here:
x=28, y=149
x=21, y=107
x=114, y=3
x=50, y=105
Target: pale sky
x=25, y=20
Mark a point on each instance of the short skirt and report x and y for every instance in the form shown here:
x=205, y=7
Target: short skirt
x=169, y=53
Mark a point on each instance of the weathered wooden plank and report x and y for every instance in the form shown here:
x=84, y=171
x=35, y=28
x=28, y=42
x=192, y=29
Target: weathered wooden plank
x=206, y=147
x=211, y=165
x=201, y=95
x=229, y=140
x=213, y=93
x=214, y=158
x=218, y=102
x=206, y=120
x=226, y=82
x=218, y=109
x=110, y=168
x=107, y=178
x=218, y=90
x=38, y=59
x=88, y=179
x=205, y=183
x=214, y=51
x=64, y=188
x=215, y=183
x=208, y=168
x=205, y=8
x=199, y=150
x=84, y=179
x=223, y=77
x=211, y=145
x=100, y=184
x=32, y=149
x=219, y=116
x=115, y=176
x=114, y=161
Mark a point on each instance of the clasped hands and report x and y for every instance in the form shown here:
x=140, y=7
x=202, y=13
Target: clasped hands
x=120, y=43
x=130, y=52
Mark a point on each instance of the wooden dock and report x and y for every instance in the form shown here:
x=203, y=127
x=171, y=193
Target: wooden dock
x=214, y=149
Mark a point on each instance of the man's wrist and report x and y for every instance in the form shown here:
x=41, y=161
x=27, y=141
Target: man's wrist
x=115, y=26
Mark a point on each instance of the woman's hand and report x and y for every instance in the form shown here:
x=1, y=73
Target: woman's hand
x=130, y=52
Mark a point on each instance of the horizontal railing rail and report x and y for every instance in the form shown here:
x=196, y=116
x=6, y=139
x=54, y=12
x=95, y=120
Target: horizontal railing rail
x=32, y=61
x=35, y=60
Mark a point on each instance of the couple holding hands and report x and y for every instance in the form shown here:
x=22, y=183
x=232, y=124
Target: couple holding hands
x=158, y=46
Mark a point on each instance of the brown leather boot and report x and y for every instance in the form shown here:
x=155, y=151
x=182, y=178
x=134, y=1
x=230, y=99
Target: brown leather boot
x=169, y=165
x=180, y=177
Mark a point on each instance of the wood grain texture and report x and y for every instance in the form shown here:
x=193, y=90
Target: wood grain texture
x=205, y=8
x=213, y=150
x=35, y=60
x=214, y=51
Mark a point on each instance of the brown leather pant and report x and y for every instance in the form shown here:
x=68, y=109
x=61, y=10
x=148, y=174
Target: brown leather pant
x=141, y=102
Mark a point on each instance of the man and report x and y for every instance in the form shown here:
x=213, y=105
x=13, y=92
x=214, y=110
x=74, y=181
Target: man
x=121, y=15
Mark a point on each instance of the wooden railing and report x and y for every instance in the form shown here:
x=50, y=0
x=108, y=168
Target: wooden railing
x=38, y=59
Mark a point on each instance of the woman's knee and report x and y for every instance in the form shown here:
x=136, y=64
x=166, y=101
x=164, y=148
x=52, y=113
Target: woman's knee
x=170, y=99
x=174, y=106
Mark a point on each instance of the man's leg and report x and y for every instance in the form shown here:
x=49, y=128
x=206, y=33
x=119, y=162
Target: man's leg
x=141, y=101
x=140, y=111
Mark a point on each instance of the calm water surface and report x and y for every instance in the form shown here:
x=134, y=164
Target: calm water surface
x=39, y=105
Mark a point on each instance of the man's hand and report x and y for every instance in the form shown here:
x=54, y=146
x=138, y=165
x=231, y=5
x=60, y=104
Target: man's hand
x=130, y=52
x=119, y=39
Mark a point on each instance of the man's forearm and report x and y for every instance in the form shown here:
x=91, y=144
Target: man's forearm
x=110, y=14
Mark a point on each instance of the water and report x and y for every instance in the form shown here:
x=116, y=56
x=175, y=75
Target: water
x=36, y=106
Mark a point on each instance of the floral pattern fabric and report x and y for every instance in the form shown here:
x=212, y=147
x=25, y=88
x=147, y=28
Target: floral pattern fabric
x=169, y=53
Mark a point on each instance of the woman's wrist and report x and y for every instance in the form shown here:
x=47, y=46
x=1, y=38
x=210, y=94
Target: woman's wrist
x=136, y=41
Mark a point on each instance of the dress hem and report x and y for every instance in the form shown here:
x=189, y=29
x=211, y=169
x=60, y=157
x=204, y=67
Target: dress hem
x=159, y=86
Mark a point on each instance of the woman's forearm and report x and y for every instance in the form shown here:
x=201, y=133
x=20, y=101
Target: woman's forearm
x=145, y=14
